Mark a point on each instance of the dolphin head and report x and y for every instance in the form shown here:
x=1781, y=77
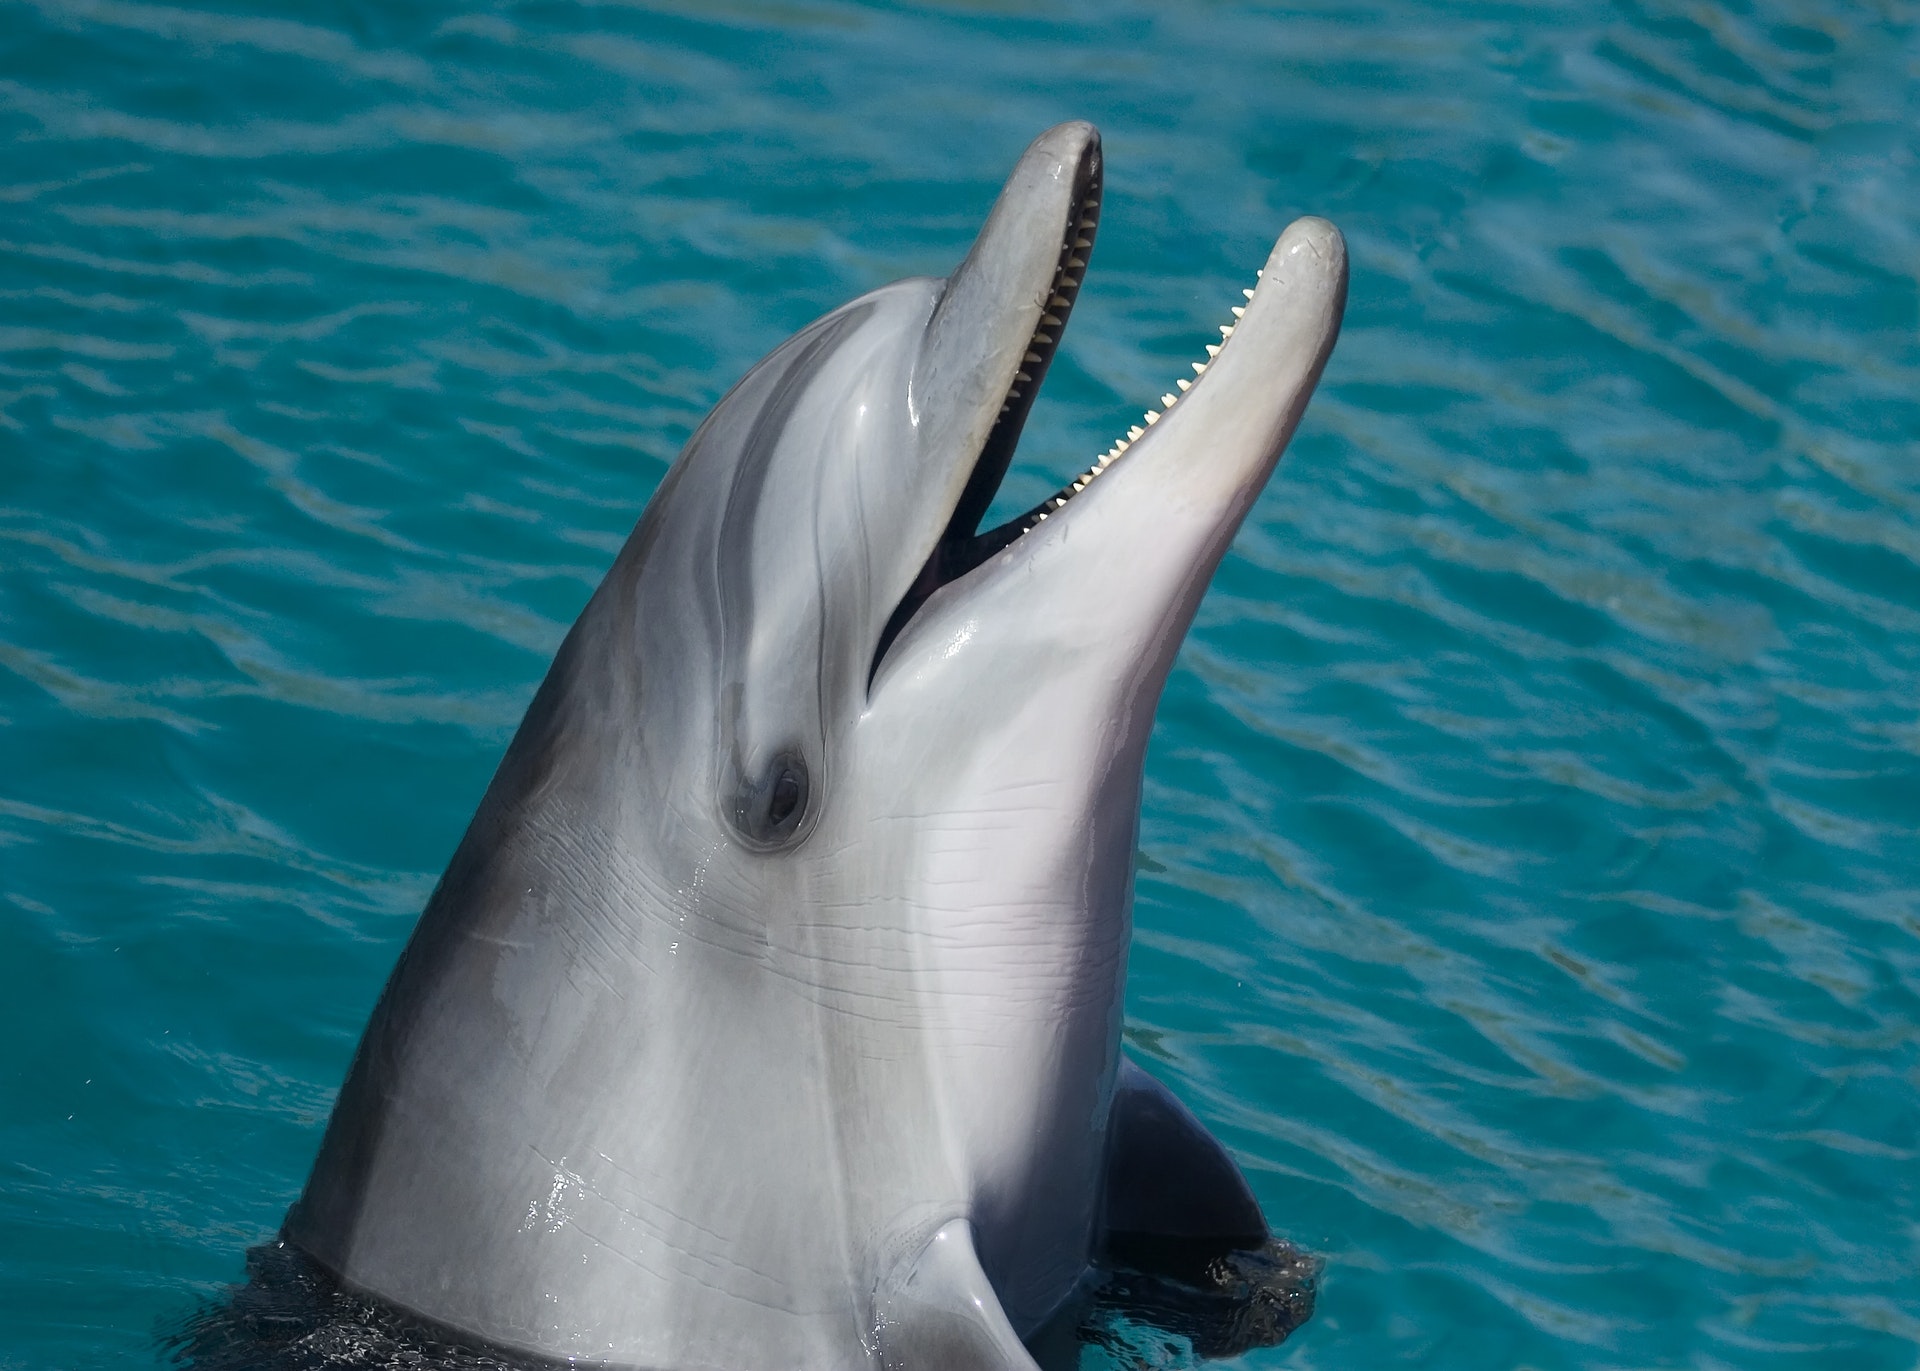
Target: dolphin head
x=814, y=571
x=912, y=747
x=825, y=496
x=794, y=924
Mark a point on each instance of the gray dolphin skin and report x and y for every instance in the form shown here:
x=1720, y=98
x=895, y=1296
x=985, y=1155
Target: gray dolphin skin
x=768, y=1015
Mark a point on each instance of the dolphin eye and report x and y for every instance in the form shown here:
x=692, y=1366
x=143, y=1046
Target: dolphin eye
x=769, y=810
x=789, y=793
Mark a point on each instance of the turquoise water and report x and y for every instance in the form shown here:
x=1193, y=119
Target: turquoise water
x=1530, y=892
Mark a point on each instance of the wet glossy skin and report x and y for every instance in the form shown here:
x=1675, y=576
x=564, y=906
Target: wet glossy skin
x=760, y=965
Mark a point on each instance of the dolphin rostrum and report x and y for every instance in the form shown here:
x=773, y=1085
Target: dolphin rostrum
x=768, y=1014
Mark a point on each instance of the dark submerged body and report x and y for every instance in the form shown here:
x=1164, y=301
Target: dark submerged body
x=291, y=1315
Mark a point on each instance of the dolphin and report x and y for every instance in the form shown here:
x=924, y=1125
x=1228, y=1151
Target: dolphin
x=768, y=1014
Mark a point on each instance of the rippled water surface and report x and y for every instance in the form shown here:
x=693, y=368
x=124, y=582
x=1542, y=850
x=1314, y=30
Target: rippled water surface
x=1530, y=892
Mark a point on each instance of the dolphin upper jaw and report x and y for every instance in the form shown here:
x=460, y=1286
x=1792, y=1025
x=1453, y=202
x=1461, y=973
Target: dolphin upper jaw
x=988, y=344
x=1001, y=313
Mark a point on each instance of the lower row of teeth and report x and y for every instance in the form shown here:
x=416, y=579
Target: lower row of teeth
x=1153, y=416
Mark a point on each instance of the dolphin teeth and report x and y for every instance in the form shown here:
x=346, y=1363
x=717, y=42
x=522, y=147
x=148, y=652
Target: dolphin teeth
x=1226, y=330
x=1153, y=417
x=1239, y=311
x=1135, y=432
x=1167, y=401
x=1184, y=384
x=1213, y=351
x=1199, y=368
x=1059, y=302
x=1247, y=293
x=1049, y=321
x=1022, y=377
x=1033, y=357
x=1076, y=261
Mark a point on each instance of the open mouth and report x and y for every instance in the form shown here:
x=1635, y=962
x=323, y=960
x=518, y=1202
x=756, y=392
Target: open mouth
x=963, y=546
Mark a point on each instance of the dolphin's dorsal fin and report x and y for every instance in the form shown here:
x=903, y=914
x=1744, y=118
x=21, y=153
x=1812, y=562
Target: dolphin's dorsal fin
x=938, y=1312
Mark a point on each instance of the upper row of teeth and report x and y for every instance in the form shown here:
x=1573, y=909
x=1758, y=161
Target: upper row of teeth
x=1152, y=417
x=1067, y=277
